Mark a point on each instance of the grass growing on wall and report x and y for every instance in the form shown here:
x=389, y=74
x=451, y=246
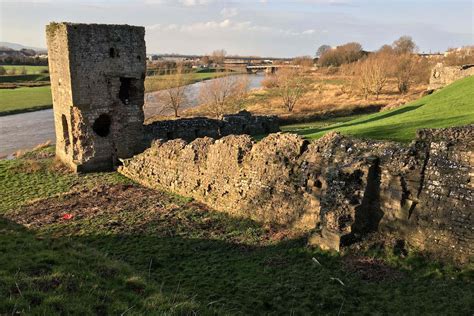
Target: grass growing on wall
x=158, y=253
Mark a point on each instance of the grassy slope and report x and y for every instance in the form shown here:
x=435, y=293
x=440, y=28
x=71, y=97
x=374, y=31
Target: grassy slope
x=451, y=106
x=187, y=260
x=12, y=100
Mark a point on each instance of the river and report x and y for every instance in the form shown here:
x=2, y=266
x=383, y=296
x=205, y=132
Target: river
x=26, y=130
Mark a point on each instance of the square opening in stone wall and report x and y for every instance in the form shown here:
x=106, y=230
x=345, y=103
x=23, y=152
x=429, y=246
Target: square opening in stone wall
x=129, y=90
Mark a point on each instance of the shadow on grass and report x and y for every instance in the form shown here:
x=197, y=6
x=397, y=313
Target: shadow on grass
x=187, y=271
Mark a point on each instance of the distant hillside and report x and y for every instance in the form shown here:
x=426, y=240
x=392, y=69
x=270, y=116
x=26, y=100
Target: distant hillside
x=17, y=46
x=451, y=106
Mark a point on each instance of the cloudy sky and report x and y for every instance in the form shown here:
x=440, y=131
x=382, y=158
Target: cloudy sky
x=280, y=28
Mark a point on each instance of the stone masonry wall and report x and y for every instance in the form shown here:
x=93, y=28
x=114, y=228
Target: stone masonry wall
x=442, y=76
x=337, y=188
x=233, y=124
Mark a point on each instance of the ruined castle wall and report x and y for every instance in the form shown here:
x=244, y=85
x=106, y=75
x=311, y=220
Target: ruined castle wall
x=442, y=76
x=97, y=80
x=192, y=128
x=339, y=188
x=443, y=220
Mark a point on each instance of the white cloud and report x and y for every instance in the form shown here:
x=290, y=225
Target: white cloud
x=229, y=12
x=154, y=27
x=308, y=32
x=190, y=3
x=229, y=25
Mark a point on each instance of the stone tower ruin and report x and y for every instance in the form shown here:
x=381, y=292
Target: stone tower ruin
x=97, y=82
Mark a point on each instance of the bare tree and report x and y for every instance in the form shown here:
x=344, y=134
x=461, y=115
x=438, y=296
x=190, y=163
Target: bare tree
x=404, y=45
x=303, y=61
x=290, y=85
x=218, y=56
x=386, y=49
x=205, y=60
x=344, y=54
x=373, y=74
x=322, y=49
x=174, y=96
x=404, y=70
x=223, y=95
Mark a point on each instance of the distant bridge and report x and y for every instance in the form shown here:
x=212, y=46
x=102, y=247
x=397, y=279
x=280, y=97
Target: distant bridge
x=268, y=68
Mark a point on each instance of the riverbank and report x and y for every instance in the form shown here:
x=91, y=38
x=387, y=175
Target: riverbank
x=29, y=99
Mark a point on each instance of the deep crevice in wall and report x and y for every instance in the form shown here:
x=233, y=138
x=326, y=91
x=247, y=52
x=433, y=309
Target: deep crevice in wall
x=423, y=169
x=369, y=214
x=66, y=139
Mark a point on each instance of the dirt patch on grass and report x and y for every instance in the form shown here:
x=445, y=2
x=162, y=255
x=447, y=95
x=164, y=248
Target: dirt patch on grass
x=87, y=204
x=129, y=209
x=371, y=269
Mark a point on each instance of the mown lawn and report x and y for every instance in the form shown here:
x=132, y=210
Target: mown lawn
x=29, y=69
x=451, y=106
x=131, y=250
x=25, y=78
x=20, y=99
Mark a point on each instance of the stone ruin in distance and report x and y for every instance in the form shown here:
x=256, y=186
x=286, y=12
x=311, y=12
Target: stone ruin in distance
x=338, y=190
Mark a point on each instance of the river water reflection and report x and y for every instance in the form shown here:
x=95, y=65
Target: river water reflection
x=153, y=107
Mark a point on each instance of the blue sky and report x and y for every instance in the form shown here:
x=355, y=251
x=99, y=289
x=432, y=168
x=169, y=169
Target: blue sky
x=280, y=28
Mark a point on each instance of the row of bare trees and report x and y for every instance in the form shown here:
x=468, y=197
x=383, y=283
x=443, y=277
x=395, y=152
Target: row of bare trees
x=371, y=74
x=290, y=84
x=218, y=96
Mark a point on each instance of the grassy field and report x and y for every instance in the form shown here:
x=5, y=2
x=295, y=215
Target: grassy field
x=131, y=250
x=29, y=69
x=23, y=99
x=24, y=78
x=451, y=106
x=155, y=83
x=35, y=98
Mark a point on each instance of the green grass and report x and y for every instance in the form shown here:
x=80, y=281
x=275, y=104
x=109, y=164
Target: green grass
x=24, y=78
x=21, y=99
x=451, y=106
x=29, y=69
x=161, y=254
x=302, y=127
